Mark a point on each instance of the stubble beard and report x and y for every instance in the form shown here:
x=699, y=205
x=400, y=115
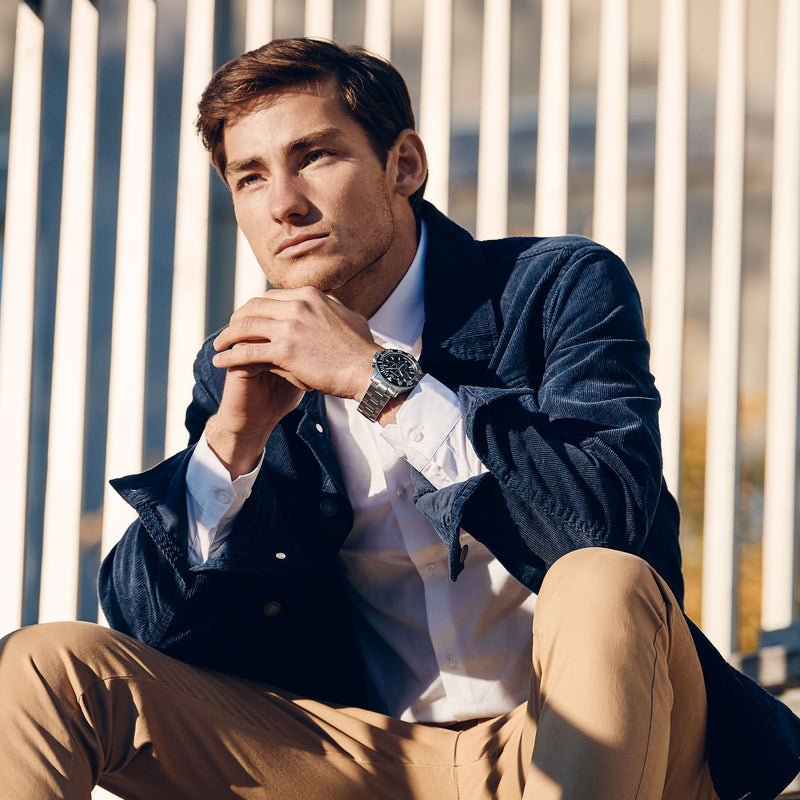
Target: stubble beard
x=358, y=283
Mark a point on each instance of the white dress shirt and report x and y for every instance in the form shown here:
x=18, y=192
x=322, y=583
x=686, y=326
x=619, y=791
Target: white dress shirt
x=435, y=651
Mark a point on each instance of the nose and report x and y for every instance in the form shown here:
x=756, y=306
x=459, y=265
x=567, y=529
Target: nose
x=287, y=198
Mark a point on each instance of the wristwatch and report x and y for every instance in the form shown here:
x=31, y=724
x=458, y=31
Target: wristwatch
x=395, y=372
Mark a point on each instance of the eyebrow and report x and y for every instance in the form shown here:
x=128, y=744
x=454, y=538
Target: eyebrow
x=320, y=138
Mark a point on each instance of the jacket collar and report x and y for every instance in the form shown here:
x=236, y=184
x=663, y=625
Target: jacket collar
x=460, y=331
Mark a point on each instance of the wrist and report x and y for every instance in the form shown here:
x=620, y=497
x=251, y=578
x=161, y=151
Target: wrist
x=238, y=451
x=361, y=373
x=388, y=415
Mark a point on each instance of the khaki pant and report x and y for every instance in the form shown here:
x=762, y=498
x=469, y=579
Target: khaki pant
x=617, y=710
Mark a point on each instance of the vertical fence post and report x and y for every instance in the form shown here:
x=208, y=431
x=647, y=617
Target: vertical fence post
x=493, y=144
x=552, y=146
x=187, y=327
x=434, y=104
x=249, y=280
x=719, y=538
x=131, y=270
x=319, y=18
x=65, y=456
x=378, y=27
x=17, y=303
x=669, y=232
x=780, y=479
x=258, y=24
x=611, y=147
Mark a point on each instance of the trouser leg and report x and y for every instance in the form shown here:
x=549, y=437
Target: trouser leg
x=80, y=703
x=618, y=700
x=617, y=710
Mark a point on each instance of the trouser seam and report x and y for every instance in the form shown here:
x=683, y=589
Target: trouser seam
x=652, y=702
x=455, y=766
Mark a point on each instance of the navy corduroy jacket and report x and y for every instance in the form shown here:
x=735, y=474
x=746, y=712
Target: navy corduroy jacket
x=544, y=342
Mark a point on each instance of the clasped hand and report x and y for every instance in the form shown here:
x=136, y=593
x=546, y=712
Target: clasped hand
x=276, y=347
x=303, y=336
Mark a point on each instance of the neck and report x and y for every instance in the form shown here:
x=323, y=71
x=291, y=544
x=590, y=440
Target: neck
x=379, y=282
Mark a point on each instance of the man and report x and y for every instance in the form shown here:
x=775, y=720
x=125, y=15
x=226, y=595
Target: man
x=396, y=453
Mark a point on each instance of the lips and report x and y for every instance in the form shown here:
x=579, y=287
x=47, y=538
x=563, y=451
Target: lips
x=299, y=245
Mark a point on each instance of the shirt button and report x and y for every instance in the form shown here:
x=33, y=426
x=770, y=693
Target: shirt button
x=450, y=661
x=462, y=556
x=398, y=451
x=430, y=568
x=280, y=556
x=319, y=428
x=328, y=508
x=416, y=436
x=401, y=492
x=222, y=495
x=272, y=609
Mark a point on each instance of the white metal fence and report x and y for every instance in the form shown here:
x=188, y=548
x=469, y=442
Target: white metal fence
x=119, y=252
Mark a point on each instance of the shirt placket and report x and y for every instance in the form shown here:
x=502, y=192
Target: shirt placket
x=429, y=556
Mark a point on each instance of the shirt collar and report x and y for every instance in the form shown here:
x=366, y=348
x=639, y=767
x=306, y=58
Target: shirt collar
x=398, y=322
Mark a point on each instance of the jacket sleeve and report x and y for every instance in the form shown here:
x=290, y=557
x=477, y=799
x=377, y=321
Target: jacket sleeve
x=569, y=431
x=145, y=580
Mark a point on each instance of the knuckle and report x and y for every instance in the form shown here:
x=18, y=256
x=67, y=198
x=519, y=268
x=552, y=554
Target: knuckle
x=248, y=323
x=281, y=351
x=245, y=309
x=298, y=308
x=292, y=326
x=245, y=351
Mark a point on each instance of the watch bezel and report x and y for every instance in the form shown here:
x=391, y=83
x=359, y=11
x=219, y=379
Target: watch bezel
x=380, y=360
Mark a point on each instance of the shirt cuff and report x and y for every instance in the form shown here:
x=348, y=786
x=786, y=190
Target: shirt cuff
x=430, y=435
x=212, y=500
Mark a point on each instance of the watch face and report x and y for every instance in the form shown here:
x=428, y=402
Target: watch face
x=398, y=368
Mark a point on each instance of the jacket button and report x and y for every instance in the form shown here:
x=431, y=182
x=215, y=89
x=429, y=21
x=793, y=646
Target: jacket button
x=462, y=556
x=328, y=508
x=272, y=609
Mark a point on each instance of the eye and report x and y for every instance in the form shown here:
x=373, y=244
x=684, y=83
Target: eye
x=246, y=181
x=316, y=155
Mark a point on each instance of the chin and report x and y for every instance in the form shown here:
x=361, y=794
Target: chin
x=326, y=278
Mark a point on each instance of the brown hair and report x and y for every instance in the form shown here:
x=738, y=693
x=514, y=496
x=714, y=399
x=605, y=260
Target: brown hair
x=369, y=87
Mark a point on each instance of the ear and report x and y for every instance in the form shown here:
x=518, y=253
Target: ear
x=410, y=162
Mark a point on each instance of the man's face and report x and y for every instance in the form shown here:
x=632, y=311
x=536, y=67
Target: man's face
x=311, y=195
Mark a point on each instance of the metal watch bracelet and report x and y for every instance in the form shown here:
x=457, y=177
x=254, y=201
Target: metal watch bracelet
x=373, y=402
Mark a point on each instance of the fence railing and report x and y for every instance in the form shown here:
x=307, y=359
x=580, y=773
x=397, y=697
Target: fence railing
x=120, y=252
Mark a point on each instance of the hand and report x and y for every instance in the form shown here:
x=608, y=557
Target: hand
x=303, y=336
x=275, y=348
x=253, y=401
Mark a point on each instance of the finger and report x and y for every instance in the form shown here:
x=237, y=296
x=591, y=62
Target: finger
x=298, y=293
x=246, y=329
x=253, y=320
x=252, y=370
x=279, y=302
x=242, y=354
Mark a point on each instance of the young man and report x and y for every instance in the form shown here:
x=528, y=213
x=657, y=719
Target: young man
x=395, y=454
